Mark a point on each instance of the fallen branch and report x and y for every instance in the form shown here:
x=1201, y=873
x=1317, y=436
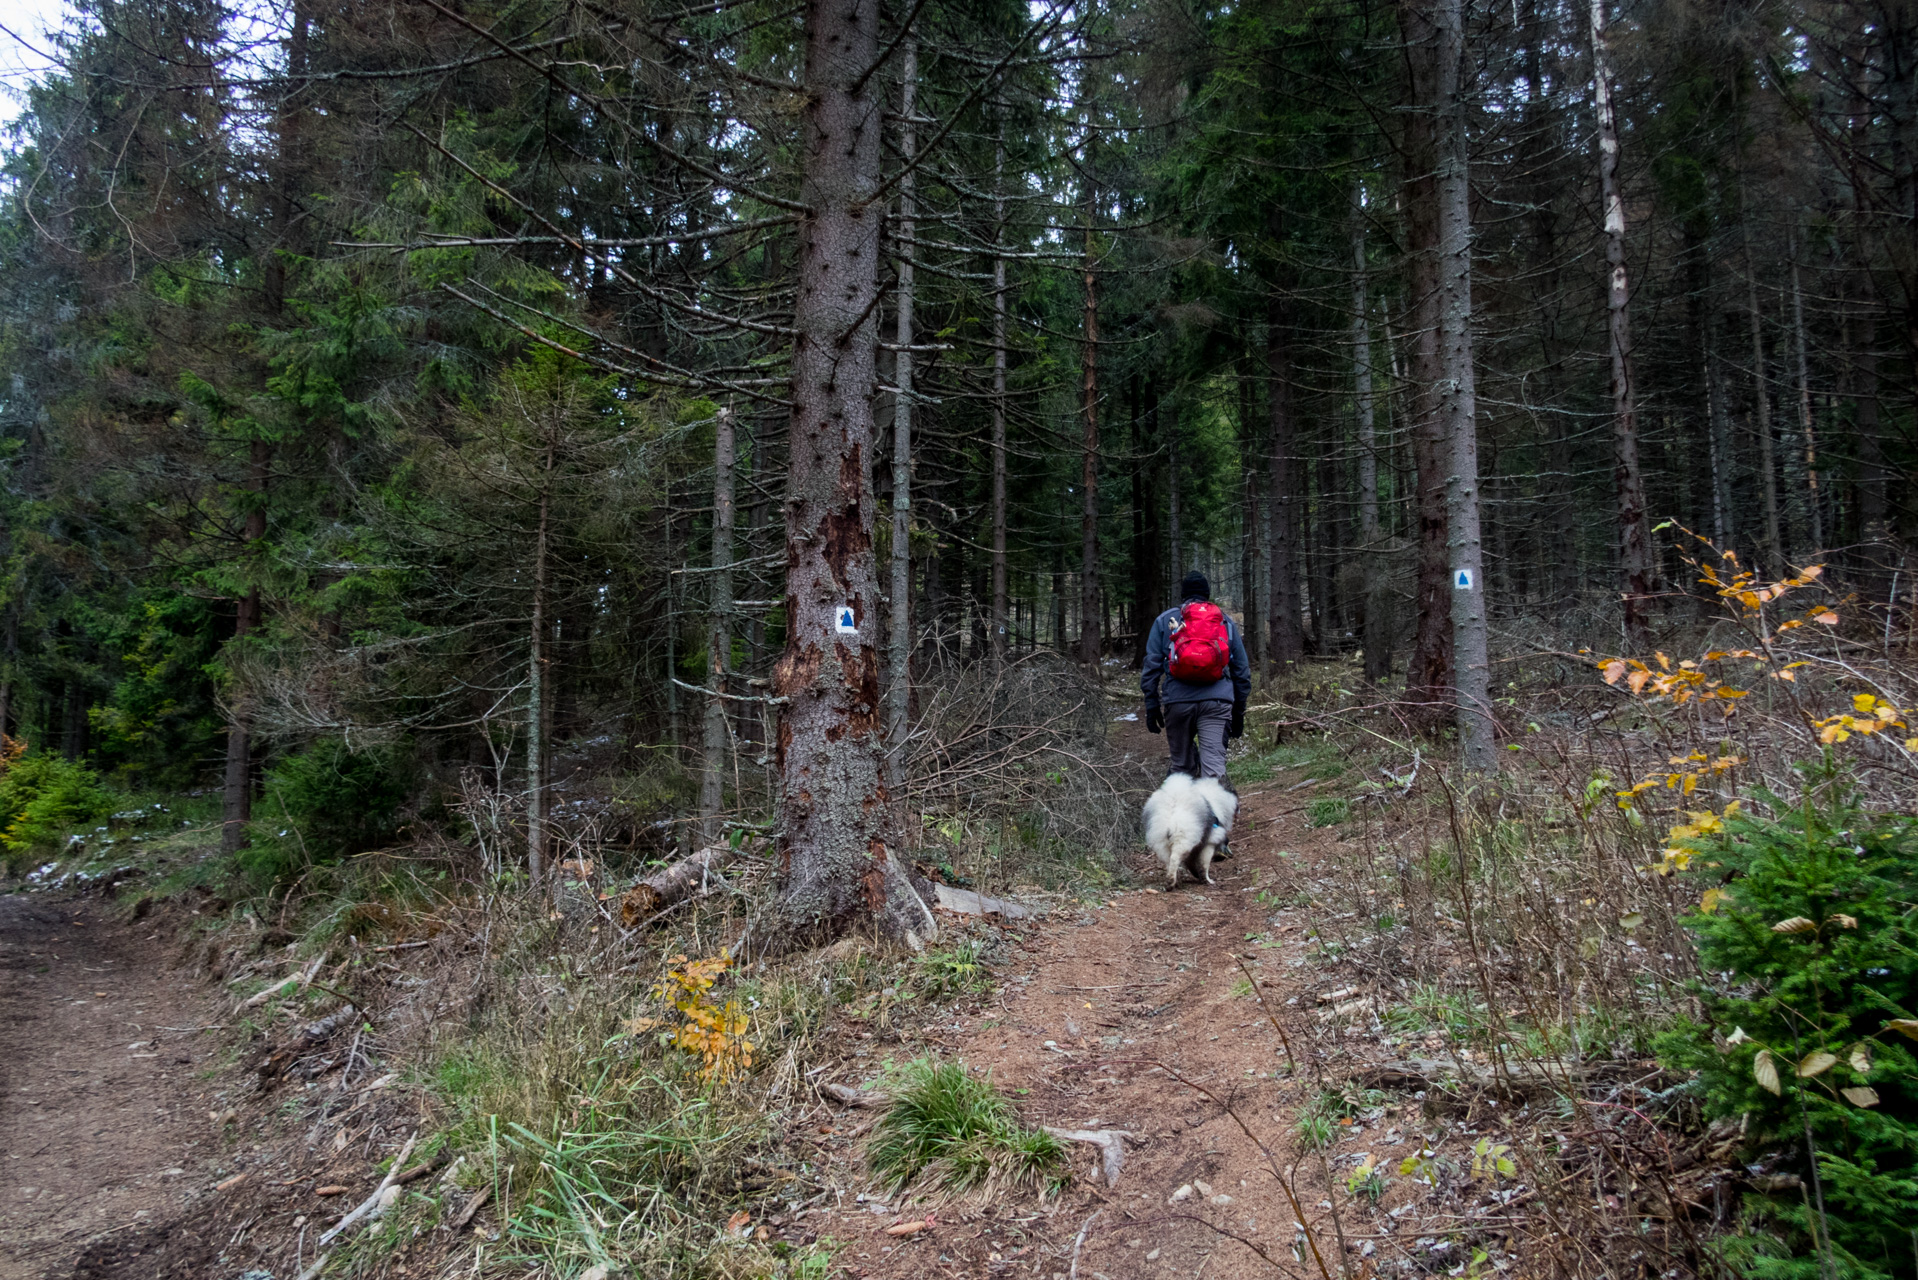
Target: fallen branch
x=1080, y=1242
x=674, y=884
x=372, y=1204
x=1110, y=1142
x=480, y=1197
x=286, y=987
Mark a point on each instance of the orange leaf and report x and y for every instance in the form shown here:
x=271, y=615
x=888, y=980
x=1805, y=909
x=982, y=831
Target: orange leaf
x=1827, y=617
x=1613, y=670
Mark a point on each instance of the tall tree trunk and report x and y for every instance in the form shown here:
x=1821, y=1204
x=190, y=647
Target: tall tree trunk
x=719, y=636
x=1457, y=397
x=1761, y=399
x=236, y=795
x=1428, y=672
x=899, y=661
x=1282, y=597
x=999, y=392
x=1141, y=554
x=1175, y=569
x=1090, y=609
x=536, y=744
x=1814, y=516
x=1724, y=517
x=838, y=854
x=1628, y=481
x=1149, y=556
x=1862, y=382
x=1253, y=545
x=1376, y=627
x=1324, y=540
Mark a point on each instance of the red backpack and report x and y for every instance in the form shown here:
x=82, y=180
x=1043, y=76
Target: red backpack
x=1201, y=645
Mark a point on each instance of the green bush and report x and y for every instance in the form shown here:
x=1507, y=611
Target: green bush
x=325, y=803
x=42, y=798
x=1812, y=947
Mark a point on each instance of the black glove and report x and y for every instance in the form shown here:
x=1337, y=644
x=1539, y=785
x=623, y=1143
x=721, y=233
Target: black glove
x=1237, y=730
x=1154, y=719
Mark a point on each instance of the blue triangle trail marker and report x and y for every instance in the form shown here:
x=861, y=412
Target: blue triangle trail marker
x=1461, y=579
x=846, y=626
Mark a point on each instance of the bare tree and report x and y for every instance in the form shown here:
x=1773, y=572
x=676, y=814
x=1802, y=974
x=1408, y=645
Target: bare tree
x=716, y=733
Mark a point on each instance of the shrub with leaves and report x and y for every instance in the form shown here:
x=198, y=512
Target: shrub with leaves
x=1812, y=948
x=713, y=1029
x=957, y=1129
x=43, y=797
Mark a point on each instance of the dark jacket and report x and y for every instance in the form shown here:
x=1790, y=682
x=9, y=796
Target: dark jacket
x=1158, y=687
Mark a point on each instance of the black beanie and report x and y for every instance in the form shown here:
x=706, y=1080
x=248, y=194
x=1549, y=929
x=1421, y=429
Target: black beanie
x=1195, y=587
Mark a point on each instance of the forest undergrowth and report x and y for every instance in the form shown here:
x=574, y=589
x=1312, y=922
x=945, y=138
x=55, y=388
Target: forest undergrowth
x=1662, y=965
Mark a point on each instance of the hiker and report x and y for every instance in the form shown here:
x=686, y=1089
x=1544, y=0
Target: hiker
x=1196, y=680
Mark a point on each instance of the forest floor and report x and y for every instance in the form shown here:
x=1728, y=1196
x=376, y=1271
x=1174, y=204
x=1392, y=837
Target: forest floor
x=104, y=1088
x=128, y=1115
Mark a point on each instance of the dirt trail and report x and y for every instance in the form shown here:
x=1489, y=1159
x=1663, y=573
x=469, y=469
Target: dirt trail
x=102, y=1123
x=1086, y=1032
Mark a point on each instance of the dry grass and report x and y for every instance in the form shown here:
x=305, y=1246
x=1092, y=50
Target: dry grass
x=1516, y=936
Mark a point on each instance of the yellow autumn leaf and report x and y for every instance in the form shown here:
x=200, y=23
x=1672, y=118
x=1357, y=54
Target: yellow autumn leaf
x=1795, y=924
x=1765, y=1071
x=1904, y=1026
x=1862, y=1095
x=1861, y=1058
x=1708, y=902
x=1614, y=670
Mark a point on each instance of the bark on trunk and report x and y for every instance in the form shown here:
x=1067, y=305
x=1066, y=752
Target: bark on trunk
x=1814, y=499
x=1287, y=641
x=236, y=794
x=1442, y=33
x=838, y=853
x=1767, y=462
x=1090, y=609
x=536, y=687
x=1253, y=545
x=899, y=658
x=1428, y=673
x=1724, y=524
x=719, y=637
x=1175, y=567
x=1376, y=636
x=999, y=589
x=1863, y=379
x=1628, y=482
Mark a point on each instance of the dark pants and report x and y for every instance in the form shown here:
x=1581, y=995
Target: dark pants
x=1195, y=734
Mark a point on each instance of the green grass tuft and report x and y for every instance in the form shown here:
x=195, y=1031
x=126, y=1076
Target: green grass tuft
x=958, y=1131
x=1327, y=811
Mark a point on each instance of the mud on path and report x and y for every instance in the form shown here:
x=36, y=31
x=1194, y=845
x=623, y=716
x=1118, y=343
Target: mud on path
x=1107, y=1006
x=103, y=1115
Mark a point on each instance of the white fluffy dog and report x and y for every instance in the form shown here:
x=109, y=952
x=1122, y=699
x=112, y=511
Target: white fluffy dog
x=1186, y=821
